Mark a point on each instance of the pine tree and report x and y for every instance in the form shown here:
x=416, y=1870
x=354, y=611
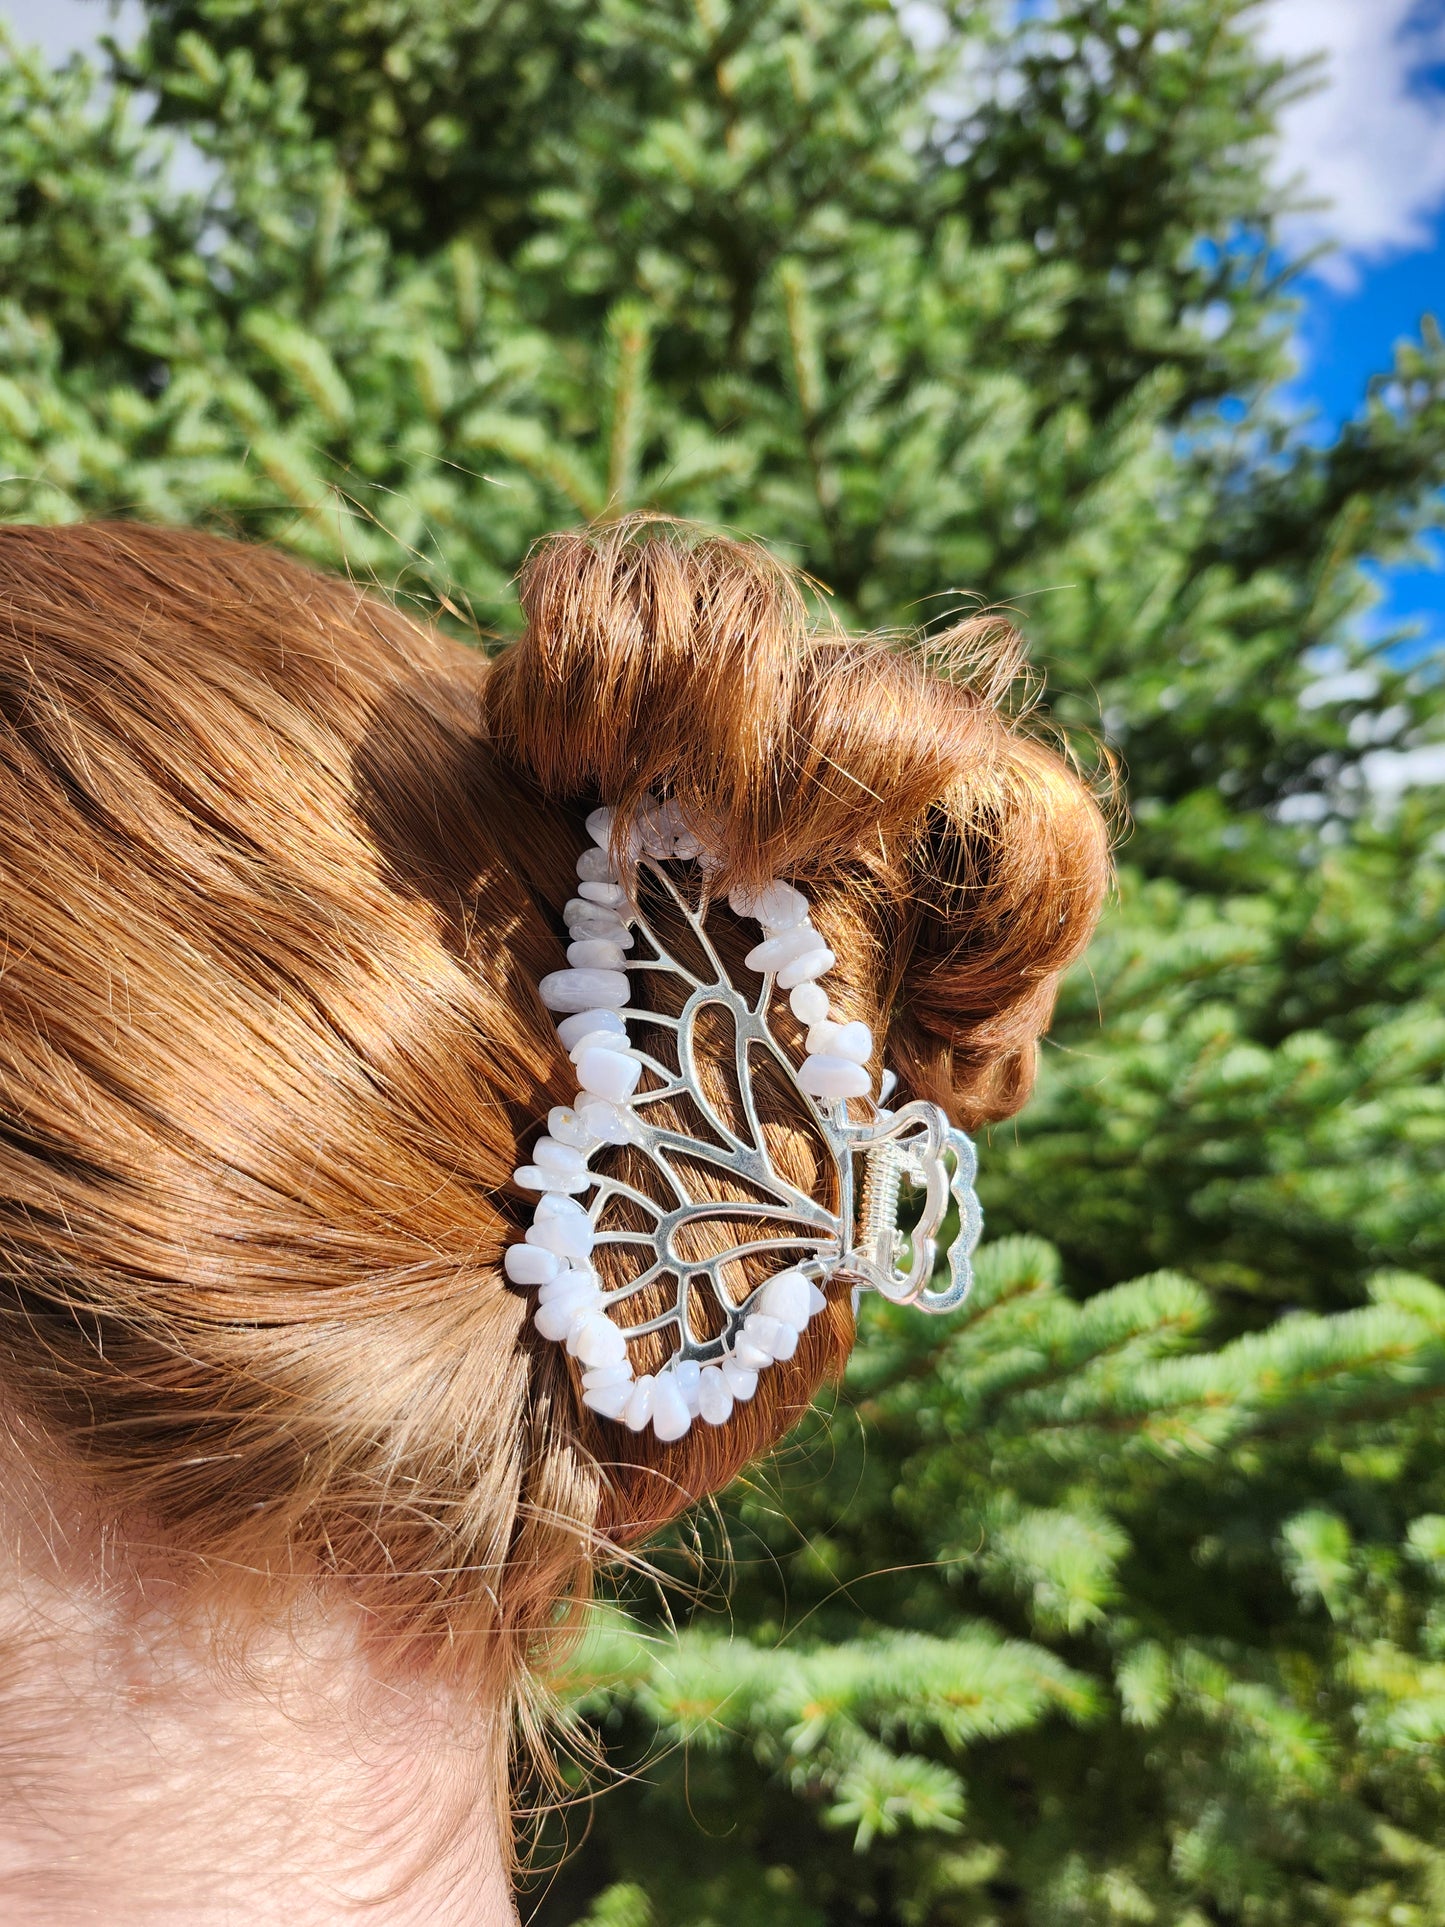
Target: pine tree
x=1149, y=1660
x=1121, y=1600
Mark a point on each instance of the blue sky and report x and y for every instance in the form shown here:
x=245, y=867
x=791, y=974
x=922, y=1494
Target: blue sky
x=1369, y=144
x=1348, y=333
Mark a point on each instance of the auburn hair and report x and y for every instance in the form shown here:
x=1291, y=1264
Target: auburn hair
x=281, y=870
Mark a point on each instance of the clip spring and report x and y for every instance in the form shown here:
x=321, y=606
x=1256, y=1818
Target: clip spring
x=878, y=1233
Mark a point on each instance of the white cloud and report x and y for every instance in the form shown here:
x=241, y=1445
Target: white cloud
x=1372, y=141
x=61, y=27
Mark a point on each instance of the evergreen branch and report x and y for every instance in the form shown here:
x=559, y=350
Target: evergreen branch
x=628, y=327
x=527, y=443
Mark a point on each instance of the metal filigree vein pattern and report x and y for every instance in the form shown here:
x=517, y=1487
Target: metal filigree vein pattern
x=721, y=1336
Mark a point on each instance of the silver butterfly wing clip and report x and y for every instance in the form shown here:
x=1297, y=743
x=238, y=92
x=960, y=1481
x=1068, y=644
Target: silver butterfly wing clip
x=722, y=1332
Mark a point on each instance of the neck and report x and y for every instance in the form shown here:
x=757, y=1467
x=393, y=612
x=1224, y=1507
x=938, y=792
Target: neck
x=149, y=1774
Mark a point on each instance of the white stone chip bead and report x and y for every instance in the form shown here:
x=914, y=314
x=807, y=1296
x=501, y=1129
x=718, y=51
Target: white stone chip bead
x=595, y=866
x=566, y=1127
x=808, y=1002
x=584, y=989
x=586, y=906
x=598, y=1040
x=597, y=1341
x=777, y=905
x=593, y=930
x=742, y=1382
x=817, y=1300
x=563, y=1319
x=568, y=1309
x=595, y=953
x=579, y=1281
x=714, y=1399
x=687, y=1374
x=616, y=938
x=608, y=1374
x=563, y=1237
x=814, y=963
x=750, y=1352
x=607, y=1073
x=556, y=1319
x=686, y=846
x=853, y=1041
x=654, y=829
x=786, y=1299
x=639, y=1405
x=765, y=1332
x=584, y=919
x=785, y=1344
x=584, y=1022
x=611, y=1123
x=670, y=1416
x=611, y=896
x=598, y=927
x=582, y=910
x=774, y=952
x=610, y=1400
x=601, y=827
x=579, y=1299
x=528, y=1264
x=556, y=1206
x=834, y=1077
x=531, y=1177
x=565, y=1159
x=821, y=1037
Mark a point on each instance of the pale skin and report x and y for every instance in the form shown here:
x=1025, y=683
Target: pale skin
x=160, y=1768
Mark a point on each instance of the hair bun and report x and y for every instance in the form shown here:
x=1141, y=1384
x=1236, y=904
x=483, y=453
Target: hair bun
x=652, y=659
x=1006, y=877
x=657, y=660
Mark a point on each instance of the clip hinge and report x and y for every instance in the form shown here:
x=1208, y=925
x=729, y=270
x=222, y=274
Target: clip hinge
x=917, y=1144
